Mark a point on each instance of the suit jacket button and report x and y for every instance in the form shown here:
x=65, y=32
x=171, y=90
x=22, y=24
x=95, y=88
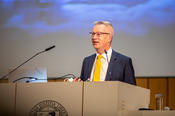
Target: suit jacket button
x=109, y=73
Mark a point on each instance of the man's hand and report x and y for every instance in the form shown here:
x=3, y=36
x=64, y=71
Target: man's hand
x=77, y=79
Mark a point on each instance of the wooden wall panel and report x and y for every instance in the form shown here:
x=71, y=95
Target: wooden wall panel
x=142, y=82
x=157, y=85
x=56, y=80
x=4, y=81
x=171, y=93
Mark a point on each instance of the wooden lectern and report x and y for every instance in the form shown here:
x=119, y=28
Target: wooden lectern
x=7, y=99
x=108, y=98
x=39, y=99
x=72, y=99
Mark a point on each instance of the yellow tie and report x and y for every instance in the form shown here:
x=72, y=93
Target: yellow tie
x=97, y=68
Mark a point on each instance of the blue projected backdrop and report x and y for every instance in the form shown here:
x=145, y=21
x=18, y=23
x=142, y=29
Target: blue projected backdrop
x=144, y=30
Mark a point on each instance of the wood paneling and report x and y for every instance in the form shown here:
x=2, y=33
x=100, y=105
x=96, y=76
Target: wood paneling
x=164, y=85
x=4, y=81
x=157, y=85
x=56, y=80
x=171, y=93
x=60, y=80
x=142, y=82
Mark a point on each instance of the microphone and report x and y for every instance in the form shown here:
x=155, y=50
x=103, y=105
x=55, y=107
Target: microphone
x=107, y=57
x=108, y=62
x=30, y=78
x=47, y=49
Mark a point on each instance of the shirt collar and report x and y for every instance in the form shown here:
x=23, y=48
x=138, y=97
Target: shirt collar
x=109, y=52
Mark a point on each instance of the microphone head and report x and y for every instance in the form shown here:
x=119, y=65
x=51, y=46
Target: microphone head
x=49, y=48
x=105, y=52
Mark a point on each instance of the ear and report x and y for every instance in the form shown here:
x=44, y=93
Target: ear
x=110, y=38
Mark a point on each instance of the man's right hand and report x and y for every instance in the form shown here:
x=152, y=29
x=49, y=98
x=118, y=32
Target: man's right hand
x=77, y=79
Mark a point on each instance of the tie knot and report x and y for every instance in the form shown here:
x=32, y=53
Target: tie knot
x=99, y=57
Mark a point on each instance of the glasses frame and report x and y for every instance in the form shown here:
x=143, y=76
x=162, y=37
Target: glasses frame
x=98, y=33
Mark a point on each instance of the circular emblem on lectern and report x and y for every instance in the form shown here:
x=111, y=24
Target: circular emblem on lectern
x=48, y=108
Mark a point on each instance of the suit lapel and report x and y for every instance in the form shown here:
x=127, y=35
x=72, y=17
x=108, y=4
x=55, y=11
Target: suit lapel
x=91, y=62
x=112, y=60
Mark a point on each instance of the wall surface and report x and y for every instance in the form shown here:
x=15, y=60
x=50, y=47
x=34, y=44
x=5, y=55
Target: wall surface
x=144, y=31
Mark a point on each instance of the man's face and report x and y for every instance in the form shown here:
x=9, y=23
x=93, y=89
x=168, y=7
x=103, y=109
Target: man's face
x=101, y=36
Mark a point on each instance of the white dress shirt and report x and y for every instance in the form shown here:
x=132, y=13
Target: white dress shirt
x=104, y=65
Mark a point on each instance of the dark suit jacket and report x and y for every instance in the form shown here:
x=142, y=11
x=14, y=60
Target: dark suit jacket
x=120, y=68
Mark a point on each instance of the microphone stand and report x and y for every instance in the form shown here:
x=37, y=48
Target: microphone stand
x=47, y=49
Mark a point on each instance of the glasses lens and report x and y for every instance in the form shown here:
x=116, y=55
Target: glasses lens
x=98, y=33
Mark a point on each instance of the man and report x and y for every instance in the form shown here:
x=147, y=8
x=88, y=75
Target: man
x=106, y=64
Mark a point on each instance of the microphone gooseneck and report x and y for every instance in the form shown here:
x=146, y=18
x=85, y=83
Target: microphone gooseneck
x=47, y=49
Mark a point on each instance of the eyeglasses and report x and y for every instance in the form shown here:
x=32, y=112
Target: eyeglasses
x=98, y=33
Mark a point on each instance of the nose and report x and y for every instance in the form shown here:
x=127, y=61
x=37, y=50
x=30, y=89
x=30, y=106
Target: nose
x=95, y=35
x=94, y=38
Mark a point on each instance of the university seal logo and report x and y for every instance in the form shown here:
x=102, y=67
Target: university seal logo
x=48, y=108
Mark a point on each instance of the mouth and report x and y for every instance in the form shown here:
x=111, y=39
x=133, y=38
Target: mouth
x=95, y=42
